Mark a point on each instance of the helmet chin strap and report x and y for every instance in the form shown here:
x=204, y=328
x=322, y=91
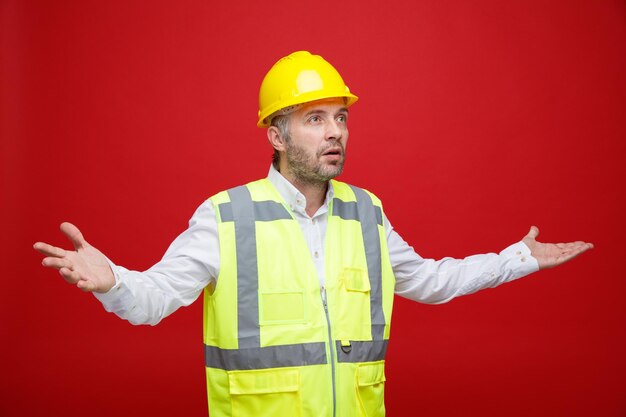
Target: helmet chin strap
x=289, y=109
x=282, y=112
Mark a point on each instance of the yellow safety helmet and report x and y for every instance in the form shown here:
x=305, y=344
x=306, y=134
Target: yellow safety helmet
x=299, y=78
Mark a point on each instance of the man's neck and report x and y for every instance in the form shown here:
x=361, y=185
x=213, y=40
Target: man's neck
x=315, y=194
x=314, y=191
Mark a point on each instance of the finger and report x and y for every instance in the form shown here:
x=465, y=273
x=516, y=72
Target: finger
x=73, y=234
x=57, y=263
x=569, y=256
x=574, y=246
x=72, y=277
x=49, y=250
x=573, y=252
x=584, y=245
x=580, y=248
x=86, y=286
x=533, y=232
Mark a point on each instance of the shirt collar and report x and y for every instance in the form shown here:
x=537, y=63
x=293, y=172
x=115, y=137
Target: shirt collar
x=290, y=193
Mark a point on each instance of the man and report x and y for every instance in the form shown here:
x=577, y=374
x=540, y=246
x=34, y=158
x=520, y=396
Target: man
x=298, y=270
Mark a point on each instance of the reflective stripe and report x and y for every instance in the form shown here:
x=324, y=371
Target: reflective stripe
x=368, y=351
x=371, y=241
x=347, y=210
x=264, y=211
x=265, y=357
x=250, y=355
x=247, y=272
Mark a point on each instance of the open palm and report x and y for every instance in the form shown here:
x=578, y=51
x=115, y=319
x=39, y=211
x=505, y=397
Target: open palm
x=85, y=266
x=552, y=254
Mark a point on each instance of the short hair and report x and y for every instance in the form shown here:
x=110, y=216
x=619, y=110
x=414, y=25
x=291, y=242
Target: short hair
x=281, y=122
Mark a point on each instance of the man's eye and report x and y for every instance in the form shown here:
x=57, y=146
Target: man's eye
x=342, y=118
x=315, y=119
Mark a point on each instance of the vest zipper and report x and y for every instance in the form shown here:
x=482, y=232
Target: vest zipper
x=332, y=351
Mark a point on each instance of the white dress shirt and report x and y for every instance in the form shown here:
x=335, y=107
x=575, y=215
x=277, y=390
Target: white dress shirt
x=193, y=261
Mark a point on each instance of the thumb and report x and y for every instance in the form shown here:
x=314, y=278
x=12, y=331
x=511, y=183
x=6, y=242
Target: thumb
x=86, y=286
x=74, y=235
x=533, y=232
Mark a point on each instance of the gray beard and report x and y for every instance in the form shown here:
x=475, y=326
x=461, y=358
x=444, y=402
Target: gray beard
x=307, y=170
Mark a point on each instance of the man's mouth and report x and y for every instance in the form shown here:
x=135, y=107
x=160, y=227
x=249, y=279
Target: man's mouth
x=335, y=151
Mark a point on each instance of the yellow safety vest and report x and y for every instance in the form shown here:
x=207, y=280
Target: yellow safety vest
x=273, y=346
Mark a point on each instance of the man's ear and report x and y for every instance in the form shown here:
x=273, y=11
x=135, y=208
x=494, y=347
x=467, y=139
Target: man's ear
x=276, y=139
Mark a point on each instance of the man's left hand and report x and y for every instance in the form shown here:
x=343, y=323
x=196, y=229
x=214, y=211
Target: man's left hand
x=552, y=254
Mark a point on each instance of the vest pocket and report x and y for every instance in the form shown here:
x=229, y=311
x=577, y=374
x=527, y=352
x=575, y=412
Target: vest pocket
x=370, y=389
x=355, y=279
x=353, y=305
x=282, y=307
x=266, y=392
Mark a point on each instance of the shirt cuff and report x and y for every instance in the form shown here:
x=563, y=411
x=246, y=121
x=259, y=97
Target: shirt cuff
x=519, y=260
x=119, y=295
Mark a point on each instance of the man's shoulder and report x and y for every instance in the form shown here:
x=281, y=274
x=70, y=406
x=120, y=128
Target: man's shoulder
x=222, y=195
x=345, y=189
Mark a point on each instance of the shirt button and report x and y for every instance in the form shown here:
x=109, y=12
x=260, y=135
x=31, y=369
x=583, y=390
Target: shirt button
x=317, y=255
x=523, y=259
x=519, y=252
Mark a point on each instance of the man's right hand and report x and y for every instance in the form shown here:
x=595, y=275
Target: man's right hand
x=85, y=266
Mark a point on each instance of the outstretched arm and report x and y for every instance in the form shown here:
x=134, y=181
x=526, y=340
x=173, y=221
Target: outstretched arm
x=188, y=266
x=553, y=254
x=438, y=281
x=85, y=266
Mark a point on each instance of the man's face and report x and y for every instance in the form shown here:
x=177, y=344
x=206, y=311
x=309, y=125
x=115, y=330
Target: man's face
x=317, y=149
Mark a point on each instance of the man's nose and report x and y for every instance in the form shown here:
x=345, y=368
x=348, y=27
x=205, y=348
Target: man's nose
x=333, y=130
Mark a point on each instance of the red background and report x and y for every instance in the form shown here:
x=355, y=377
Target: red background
x=475, y=120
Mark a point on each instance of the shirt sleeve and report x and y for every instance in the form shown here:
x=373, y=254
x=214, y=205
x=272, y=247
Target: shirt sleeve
x=438, y=281
x=190, y=264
